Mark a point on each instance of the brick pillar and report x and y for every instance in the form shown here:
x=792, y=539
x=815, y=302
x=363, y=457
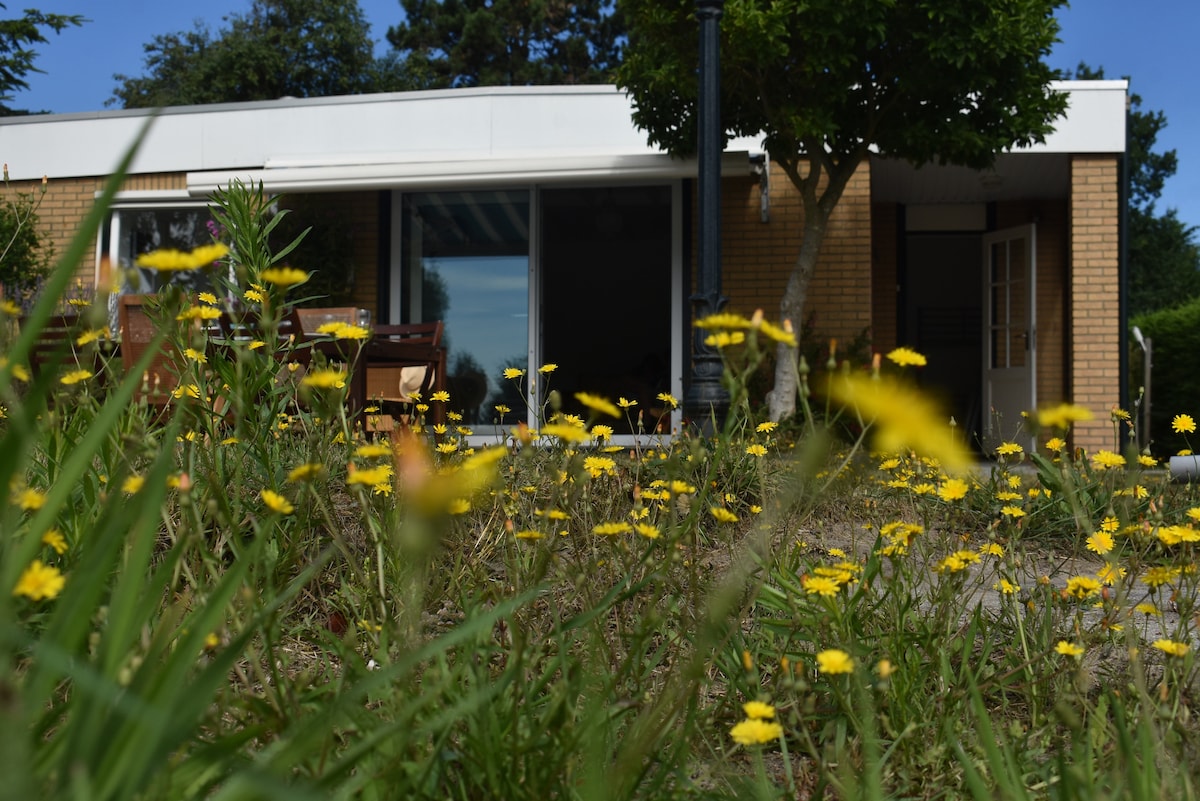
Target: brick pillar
x=1094, y=296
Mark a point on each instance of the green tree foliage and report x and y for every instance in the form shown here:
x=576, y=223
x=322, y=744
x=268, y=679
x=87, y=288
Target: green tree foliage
x=828, y=80
x=17, y=37
x=279, y=48
x=25, y=257
x=1164, y=257
x=447, y=43
x=1175, y=333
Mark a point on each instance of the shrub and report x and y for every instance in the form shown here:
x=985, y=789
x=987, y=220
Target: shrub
x=1175, y=382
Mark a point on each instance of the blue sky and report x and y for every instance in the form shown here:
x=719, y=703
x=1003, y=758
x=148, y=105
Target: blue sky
x=1151, y=42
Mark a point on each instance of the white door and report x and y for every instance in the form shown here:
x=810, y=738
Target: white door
x=1010, y=334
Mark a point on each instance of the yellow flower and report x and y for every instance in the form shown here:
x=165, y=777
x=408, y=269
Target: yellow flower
x=725, y=339
x=608, y=529
x=284, y=276
x=722, y=515
x=376, y=450
x=169, y=260
x=1068, y=648
x=133, y=484
x=195, y=355
x=903, y=418
x=597, y=403
x=39, y=582
x=1006, y=587
x=528, y=534
x=10, y=308
x=907, y=357
x=1081, y=587
x=1009, y=449
x=1062, y=415
x=723, y=320
x=757, y=710
x=625, y=403
x=546, y=369
x=75, y=376
x=833, y=661
x=1183, y=424
x=1012, y=511
x=325, y=379
x=186, y=390
x=304, y=472
x=1055, y=444
x=55, y=540
x=276, y=502
x=208, y=297
x=1171, y=647
x=1160, y=575
x=253, y=295
x=30, y=499
x=781, y=334
x=952, y=489
x=647, y=530
x=991, y=549
x=513, y=372
x=1106, y=459
x=669, y=399
x=597, y=466
x=370, y=477
x=1111, y=574
x=820, y=585
x=565, y=432
x=90, y=336
x=756, y=450
x=1101, y=542
x=753, y=731
x=199, y=313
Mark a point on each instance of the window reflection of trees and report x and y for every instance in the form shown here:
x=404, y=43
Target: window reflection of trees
x=149, y=230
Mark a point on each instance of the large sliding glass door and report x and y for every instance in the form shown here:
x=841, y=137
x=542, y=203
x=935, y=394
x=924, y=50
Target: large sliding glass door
x=466, y=262
x=583, y=277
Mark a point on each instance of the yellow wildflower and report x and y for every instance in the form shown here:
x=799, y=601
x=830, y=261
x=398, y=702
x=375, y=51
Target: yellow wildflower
x=906, y=357
x=284, y=276
x=169, y=260
x=833, y=661
x=39, y=582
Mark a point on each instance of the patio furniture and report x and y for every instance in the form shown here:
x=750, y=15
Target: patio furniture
x=404, y=362
x=55, y=342
x=138, y=331
x=313, y=317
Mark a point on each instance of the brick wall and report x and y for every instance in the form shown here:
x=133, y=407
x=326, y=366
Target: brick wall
x=758, y=257
x=1093, y=319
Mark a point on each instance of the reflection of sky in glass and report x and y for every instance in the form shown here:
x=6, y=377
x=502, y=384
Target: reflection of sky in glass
x=488, y=316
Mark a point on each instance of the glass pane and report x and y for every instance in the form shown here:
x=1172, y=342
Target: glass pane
x=469, y=255
x=147, y=230
x=606, y=289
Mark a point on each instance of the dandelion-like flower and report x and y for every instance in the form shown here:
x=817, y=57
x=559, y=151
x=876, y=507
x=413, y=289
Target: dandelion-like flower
x=276, y=502
x=1183, y=424
x=597, y=403
x=74, y=377
x=1009, y=449
x=1063, y=415
x=1068, y=648
x=305, y=472
x=284, y=277
x=324, y=379
x=722, y=515
x=834, y=661
x=754, y=731
x=669, y=399
x=513, y=372
x=610, y=529
x=1103, y=460
x=907, y=357
x=55, y=540
x=1081, y=587
x=756, y=449
x=1101, y=542
x=952, y=489
x=1171, y=648
x=40, y=582
x=169, y=260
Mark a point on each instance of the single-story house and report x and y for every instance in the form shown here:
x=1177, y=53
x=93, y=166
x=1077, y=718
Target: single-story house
x=541, y=227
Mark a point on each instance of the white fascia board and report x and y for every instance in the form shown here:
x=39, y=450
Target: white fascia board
x=462, y=173
x=1094, y=121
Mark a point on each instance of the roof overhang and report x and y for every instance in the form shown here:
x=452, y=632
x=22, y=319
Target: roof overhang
x=474, y=172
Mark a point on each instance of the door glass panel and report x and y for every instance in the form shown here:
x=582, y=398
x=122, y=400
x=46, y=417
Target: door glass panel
x=467, y=262
x=147, y=230
x=606, y=296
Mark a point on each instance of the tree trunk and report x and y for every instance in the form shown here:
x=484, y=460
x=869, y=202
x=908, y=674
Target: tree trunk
x=818, y=206
x=781, y=400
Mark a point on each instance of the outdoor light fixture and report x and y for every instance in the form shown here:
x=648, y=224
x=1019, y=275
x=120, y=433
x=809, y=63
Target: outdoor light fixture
x=706, y=400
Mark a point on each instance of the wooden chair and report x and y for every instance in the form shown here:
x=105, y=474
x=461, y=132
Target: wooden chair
x=55, y=342
x=138, y=330
x=403, y=360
